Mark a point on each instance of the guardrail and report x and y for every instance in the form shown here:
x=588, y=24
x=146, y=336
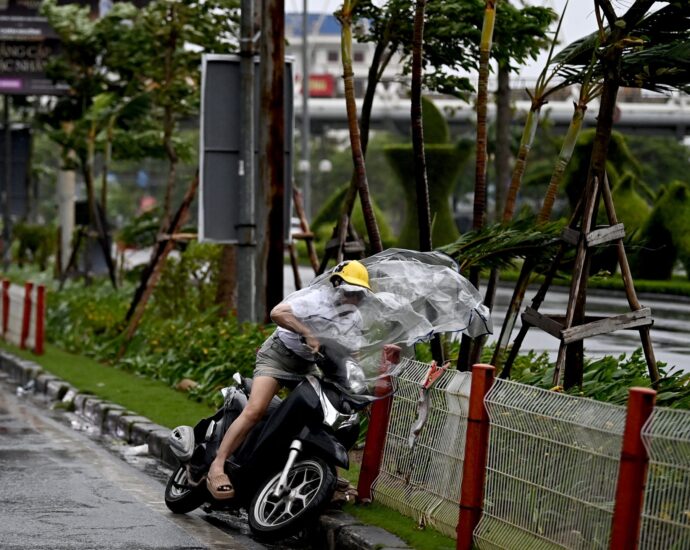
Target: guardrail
x=499, y=464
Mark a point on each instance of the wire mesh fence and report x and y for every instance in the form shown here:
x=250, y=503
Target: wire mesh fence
x=421, y=477
x=666, y=510
x=552, y=469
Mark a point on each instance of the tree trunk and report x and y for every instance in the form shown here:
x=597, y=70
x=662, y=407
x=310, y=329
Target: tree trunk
x=564, y=157
x=376, y=68
x=479, y=212
x=273, y=165
x=422, y=187
x=169, y=121
x=620, y=27
x=345, y=18
x=503, y=153
x=526, y=141
x=107, y=156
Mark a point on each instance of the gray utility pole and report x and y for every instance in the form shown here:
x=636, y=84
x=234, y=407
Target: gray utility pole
x=7, y=186
x=306, y=130
x=272, y=149
x=246, y=250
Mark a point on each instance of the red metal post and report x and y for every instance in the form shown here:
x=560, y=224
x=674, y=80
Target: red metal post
x=476, y=452
x=5, y=305
x=26, y=315
x=632, y=472
x=40, y=318
x=378, y=425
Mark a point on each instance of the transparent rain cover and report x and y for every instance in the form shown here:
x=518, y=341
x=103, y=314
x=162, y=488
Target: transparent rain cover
x=414, y=296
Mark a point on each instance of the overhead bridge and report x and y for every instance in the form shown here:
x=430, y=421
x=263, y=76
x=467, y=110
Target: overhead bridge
x=659, y=117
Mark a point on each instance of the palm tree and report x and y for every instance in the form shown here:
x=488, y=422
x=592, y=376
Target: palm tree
x=479, y=212
x=423, y=214
x=588, y=91
x=618, y=39
x=344, y=15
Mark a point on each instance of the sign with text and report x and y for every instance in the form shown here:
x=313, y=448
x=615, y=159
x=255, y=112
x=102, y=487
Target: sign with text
x=27, y=42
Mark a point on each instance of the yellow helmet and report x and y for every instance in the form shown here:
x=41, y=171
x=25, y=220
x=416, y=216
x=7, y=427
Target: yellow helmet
x=352, y=272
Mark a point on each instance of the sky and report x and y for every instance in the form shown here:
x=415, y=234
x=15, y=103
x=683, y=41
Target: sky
x=579, y=20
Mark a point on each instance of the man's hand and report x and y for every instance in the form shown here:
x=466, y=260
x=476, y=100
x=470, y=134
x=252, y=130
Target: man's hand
x=312, y=343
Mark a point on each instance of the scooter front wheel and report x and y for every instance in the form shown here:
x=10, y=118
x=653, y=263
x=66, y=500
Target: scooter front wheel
x=310, y=487
x=180, y=497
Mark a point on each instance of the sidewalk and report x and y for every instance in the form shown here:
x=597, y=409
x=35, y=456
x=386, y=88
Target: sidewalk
x=335, y=531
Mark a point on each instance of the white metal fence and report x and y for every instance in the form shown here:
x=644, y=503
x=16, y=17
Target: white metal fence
x=423, y=480
x=552, y=469
x=666, y=512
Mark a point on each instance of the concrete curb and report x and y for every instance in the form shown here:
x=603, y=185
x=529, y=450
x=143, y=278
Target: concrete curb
x=336, y=530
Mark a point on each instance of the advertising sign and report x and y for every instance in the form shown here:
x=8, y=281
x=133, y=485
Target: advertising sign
x=26, y=44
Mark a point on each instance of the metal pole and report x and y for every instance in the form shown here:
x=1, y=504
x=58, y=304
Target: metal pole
x=632, y=472
x=246, y=250
x=306, y=155
x=476, y=453
x=378, y=426
x=7, y=185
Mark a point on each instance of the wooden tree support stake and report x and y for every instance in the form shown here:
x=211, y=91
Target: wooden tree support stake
x=565, y=328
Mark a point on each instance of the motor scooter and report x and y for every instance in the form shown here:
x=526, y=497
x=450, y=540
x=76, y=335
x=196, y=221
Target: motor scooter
x=284, y=473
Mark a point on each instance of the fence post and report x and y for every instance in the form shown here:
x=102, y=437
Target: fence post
x=476, y=452
x=40, y=318
x=5, y=305
x=378, y=426
x=632, y=472
x=26, y=315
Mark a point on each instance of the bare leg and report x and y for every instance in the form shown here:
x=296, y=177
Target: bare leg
x=263, y=390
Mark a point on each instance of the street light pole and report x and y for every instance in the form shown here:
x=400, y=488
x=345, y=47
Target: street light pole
x=306, y=162
x=246, y=250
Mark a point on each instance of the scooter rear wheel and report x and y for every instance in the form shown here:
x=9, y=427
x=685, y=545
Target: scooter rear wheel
x=310, y=487
x=180, y=498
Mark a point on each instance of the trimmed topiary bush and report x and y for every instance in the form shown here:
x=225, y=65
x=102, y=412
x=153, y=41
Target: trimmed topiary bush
x=664, y=238
x=443, y=163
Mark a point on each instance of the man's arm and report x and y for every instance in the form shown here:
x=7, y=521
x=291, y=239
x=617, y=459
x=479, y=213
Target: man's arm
x=283, y=316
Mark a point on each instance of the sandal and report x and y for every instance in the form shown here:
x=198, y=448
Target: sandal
x=220, y=487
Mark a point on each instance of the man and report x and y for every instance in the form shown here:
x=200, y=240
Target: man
x=289, y=354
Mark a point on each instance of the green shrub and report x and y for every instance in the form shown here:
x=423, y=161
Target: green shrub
x=35, y=243
x=665, y=237
x=205, y=348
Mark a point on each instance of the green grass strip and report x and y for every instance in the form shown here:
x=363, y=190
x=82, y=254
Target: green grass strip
x=402, y=526
x=150, y=398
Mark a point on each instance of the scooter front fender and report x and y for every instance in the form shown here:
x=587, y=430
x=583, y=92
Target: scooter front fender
x=326, y=446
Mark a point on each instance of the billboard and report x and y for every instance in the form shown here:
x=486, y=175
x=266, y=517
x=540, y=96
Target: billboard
x=220, y=146
x=27, y=42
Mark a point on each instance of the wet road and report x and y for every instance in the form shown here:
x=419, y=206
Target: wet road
x=670, y=332
x=60, y=489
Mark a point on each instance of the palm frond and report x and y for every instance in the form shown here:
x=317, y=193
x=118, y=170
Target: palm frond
x=656, y=56
x=500, y=245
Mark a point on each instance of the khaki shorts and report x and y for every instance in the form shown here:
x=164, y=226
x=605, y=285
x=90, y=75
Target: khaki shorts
x=277, y=361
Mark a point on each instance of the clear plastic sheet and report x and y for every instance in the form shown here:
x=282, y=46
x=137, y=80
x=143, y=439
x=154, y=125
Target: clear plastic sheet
x=414, y=296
